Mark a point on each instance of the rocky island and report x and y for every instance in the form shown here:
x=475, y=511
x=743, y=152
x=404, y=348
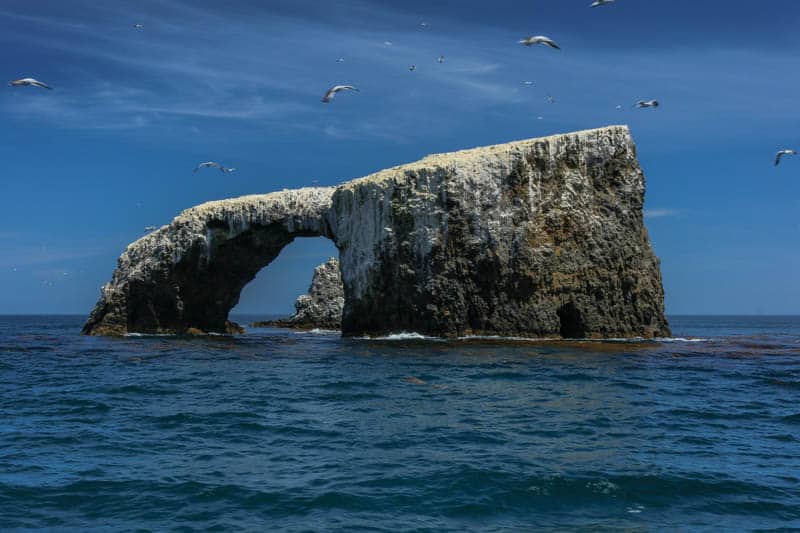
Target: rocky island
x=537, y=238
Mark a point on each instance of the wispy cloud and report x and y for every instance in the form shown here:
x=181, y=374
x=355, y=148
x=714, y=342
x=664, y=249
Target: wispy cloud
x=193, y=62
x=660, y=213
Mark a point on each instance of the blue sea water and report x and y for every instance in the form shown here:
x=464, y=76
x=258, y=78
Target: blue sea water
x=278, y=430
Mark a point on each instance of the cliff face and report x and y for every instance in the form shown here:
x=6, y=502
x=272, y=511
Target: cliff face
x=540, y=238
x=322, y=306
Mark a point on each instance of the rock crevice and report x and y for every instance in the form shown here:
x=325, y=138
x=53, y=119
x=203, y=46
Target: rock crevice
x=536, y=238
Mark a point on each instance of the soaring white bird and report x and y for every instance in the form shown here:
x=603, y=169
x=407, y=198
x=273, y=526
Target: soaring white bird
x=336, y=89
x=29, y=82
x=529, y=83
x=599, y=3
x=412, y=68
x=440, y=60
x=540, y=39
x=138, y=26
x=212, y=164
x=551, y=99
x=340, y=60
x=641, y=104
x=149, y=229
x=782, y=153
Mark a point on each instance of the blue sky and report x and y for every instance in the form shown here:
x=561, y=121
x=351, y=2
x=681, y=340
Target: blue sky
x=111, y=150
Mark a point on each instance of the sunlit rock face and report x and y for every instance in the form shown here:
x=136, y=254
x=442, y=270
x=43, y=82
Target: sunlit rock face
x=537, y=238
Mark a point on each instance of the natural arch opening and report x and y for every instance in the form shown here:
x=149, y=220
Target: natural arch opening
x=273, y=292
x=572, y=324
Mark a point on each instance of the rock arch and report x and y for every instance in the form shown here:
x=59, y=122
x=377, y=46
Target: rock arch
x=188, y=275
x=489, y=241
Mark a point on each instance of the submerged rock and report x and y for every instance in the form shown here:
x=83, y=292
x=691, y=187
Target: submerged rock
x=322, y=306
x=536, y=238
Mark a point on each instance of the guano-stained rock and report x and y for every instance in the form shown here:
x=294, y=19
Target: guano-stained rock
x=536, y=238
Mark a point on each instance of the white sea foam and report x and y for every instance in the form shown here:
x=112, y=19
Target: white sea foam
x=320, y=331
x=403, y=336
x=681, y=339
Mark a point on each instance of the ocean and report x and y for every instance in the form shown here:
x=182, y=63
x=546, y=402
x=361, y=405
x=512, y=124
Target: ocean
x=286, y=431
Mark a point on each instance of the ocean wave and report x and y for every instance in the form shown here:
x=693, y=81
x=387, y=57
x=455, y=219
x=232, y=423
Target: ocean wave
x=321, y=331
x=403, y=336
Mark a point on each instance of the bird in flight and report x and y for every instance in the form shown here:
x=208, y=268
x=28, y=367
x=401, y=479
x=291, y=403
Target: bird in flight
x=412, y=68
x=138, y=26
x=29, y=82
x=540, y=39
x=336, y=89
x=551, y=99
x=618, y=108
x=782, y=153
x=423, y=25
x=641, y=104
x=212, y=164
x=148, y=229
x=600, y=3
x=340, y=60
x=440, y=60
x=528, y=83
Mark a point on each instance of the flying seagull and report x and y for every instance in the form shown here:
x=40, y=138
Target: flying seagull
x=440, y=60
x=618, y=108
x=387, y=43
x=600, y=3
x=149, y=229
x=212, y=164
x=551, y=99
x=783, y=153
x=335, y=89
x=528, y=83
x=138, y=26
x=540, y=39
x=340, y=60
x=423, y=25
x=29, y=82
x=412, y=68
x=641, y=104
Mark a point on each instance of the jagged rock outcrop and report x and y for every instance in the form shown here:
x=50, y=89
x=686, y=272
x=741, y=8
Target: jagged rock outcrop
x=322, y=306
x=538, y=238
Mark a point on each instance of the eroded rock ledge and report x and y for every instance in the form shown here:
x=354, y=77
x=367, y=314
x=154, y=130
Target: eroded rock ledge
x=321, y=307
x=536, y=238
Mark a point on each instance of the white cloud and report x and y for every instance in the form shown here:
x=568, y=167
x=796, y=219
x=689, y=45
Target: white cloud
x=660, y=213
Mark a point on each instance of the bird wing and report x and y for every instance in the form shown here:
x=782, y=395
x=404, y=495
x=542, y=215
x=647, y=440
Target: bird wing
x=42, y=85
x=778, y=158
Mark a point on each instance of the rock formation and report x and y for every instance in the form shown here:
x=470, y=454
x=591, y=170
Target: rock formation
x=536, y=238
x=322, y=306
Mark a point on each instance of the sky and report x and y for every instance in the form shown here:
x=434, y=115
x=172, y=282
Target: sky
x=111, y=149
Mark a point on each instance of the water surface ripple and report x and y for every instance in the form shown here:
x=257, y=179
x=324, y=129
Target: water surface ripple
x=276, y=430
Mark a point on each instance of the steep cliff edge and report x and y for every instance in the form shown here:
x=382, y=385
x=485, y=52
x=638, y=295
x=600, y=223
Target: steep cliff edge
x=322, y=306
x=538, y=238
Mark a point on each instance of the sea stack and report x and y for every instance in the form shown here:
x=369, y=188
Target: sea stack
x=322, y=307
x=537, y=238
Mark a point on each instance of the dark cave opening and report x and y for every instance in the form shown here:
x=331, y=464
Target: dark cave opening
x=572, y=324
